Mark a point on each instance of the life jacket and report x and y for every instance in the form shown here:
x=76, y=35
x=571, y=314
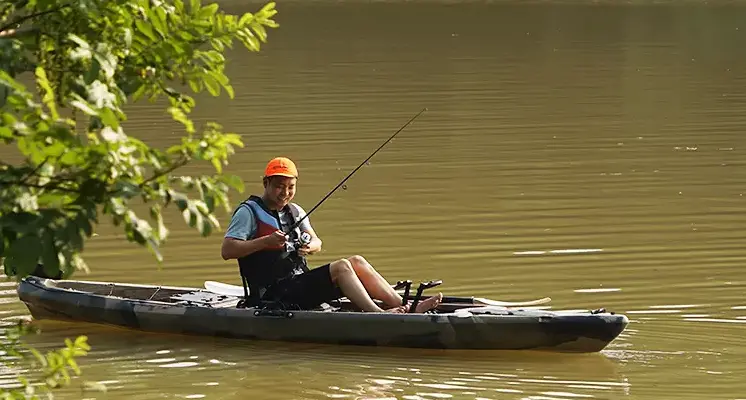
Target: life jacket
x=265, y=268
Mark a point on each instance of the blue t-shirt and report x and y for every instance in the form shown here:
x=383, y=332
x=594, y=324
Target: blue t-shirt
x=243, y=223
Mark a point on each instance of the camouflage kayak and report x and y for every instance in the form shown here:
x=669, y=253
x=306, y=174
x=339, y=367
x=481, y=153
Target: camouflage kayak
x=458, y=323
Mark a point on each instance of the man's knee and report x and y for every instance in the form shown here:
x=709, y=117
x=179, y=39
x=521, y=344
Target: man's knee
x=357, y=260
x=339, y=268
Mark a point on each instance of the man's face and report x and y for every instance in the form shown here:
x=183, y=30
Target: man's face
x=279, y=190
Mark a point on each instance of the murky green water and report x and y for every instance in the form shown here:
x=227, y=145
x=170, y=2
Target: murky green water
x=567, y=149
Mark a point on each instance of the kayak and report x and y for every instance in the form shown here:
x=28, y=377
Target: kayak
x=457, y=323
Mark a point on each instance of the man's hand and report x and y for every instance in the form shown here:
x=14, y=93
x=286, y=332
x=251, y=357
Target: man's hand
x=311, y=248
x=276, y=239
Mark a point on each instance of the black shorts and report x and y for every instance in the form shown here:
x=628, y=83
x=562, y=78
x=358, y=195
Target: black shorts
x=307, y=290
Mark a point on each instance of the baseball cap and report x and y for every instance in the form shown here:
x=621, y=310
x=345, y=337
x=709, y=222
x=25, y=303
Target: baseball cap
x=281, y=166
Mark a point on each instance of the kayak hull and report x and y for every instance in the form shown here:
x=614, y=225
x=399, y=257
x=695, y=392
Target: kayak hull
x=198, y=312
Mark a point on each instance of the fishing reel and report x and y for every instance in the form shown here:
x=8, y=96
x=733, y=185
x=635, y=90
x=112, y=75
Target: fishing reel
x=294, y=245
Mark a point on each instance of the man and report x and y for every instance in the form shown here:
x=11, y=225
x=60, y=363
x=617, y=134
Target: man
x=257, y=237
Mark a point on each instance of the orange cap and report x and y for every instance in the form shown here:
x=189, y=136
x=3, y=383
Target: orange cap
x=281, y=166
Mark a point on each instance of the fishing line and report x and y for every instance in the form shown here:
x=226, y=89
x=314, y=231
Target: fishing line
x=297, y=224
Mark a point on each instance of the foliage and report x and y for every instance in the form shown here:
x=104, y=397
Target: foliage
x=88, y=59
x=52, y=368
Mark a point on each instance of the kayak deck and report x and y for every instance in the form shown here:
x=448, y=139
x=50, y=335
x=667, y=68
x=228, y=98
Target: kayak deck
x=457, y=324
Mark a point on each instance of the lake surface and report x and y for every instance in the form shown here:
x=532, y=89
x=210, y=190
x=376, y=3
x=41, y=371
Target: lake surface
x=589, y=152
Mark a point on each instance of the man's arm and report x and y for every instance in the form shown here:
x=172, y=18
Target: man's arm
x=237, y=248
x=236, y=243
x=305, y=226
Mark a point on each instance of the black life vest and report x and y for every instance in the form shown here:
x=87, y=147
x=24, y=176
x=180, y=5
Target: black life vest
x=267, y=267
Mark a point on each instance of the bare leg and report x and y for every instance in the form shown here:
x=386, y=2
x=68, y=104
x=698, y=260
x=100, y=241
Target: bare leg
x=374, y=283
x=344, y=276
x=380, y=289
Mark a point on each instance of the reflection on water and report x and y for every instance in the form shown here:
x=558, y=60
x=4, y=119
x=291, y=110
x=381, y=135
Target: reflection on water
x=228, y=368
x=592, y=153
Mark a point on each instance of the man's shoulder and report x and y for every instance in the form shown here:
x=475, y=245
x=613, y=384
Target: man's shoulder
x=243, y=211
x=296, y=209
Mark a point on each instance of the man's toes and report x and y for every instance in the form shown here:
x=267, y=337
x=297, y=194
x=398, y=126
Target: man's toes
x=430, y=303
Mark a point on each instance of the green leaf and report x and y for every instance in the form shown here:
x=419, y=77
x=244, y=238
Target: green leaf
x=234, y=182
x=179, y=199
x=23, y=255
x=245, y=19
x=49, y=256
x=139, y=92
x=206, y=228
x=47, y=92
x=109, y=118
x=106, y=61
x=269, y=9
x=179, y=116
x=145, y=29
x=162, y=231
x=79, y=263
x=83, y=51
x=194, y=6
x=22, y=222
x=81, y=342
x=212, y=85
x=210, y=202
x=158, y=19
x=208, y=11
x=260, y=31
x=84, y=106
x=195, y=85
x=93, y=72
x=6, y=133
x=71, y=157
x=7, y=80
x=154, y=248
x=216, y=164
x=128, y=37
x=82, y=221
x=71, y=234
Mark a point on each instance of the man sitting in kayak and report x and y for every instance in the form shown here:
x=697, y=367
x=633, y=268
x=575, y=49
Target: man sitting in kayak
x=256, y=238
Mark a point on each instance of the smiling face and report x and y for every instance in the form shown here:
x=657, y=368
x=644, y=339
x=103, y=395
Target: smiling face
x=279, y=191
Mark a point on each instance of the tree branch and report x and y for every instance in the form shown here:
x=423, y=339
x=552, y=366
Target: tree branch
x=25, y=18
x=178, y=164
x=37, y=186
x=34, y=171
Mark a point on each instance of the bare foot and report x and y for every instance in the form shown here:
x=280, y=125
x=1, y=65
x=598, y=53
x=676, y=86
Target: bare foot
x=429, y=304
x=397, y=310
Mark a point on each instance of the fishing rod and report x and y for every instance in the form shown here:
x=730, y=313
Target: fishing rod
x=297, y=224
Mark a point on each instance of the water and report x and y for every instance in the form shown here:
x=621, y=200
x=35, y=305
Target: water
x=589, y=152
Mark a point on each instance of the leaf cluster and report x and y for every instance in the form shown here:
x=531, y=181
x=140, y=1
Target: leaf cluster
x=88, y=59
x=50, y=370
